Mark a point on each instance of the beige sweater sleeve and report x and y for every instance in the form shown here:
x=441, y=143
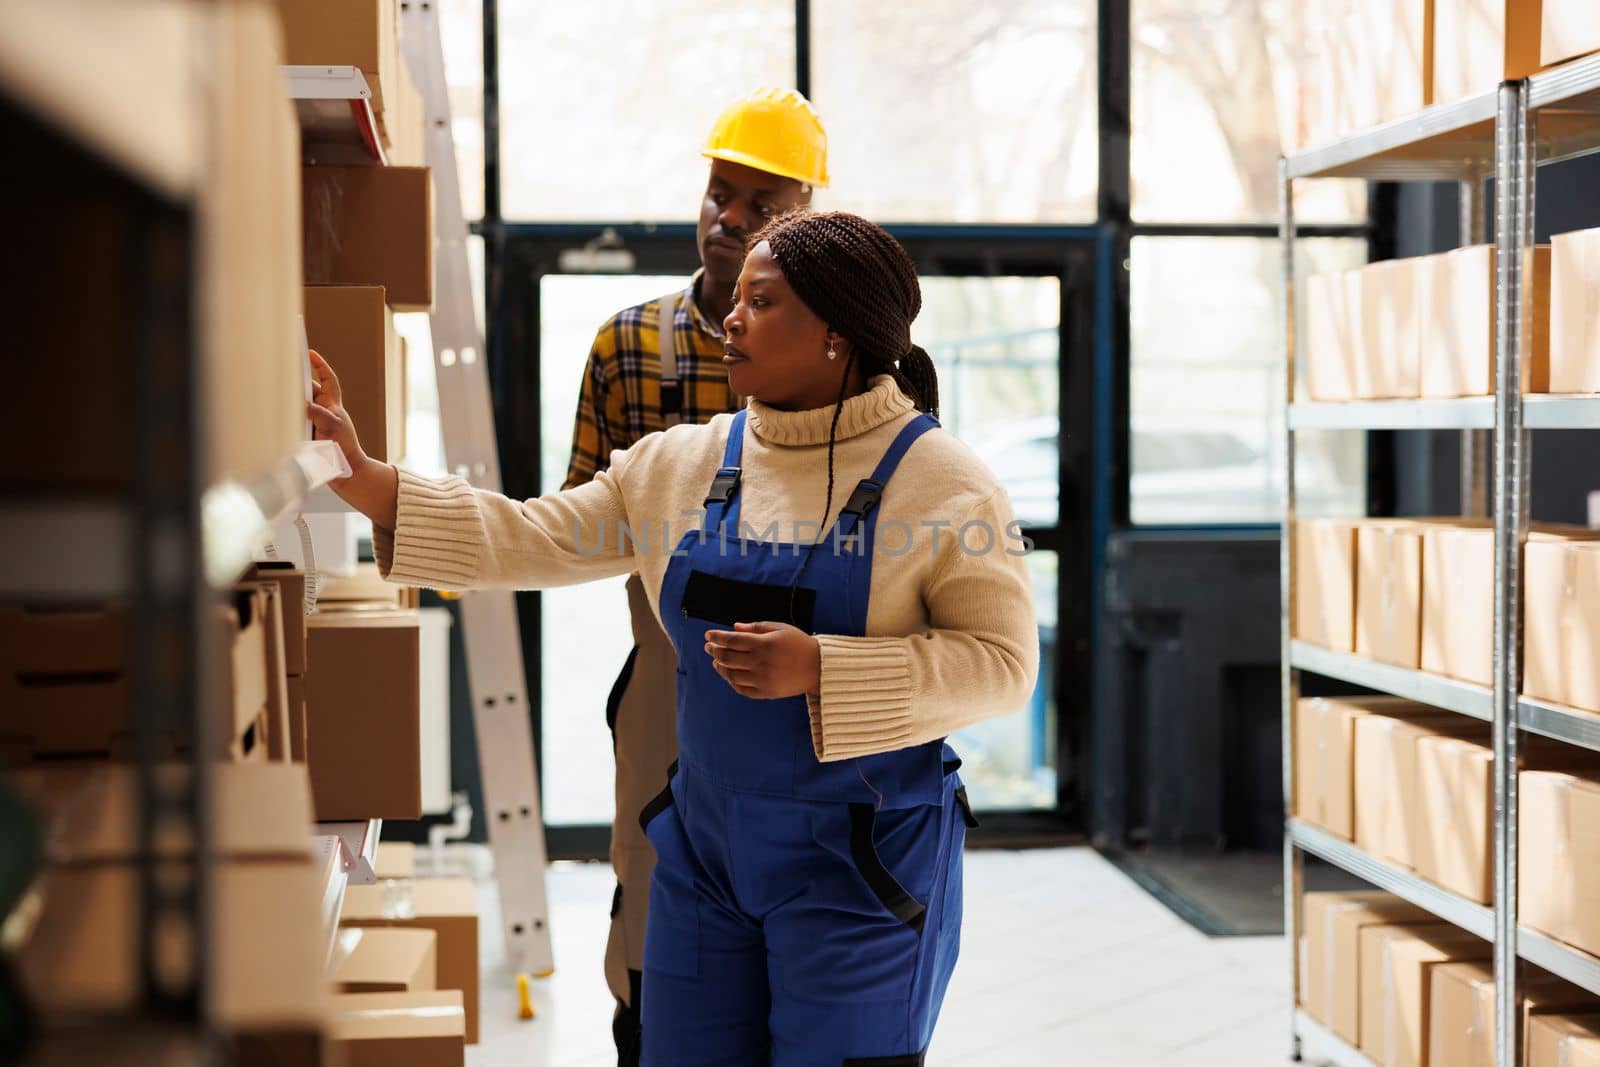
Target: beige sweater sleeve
x=977, y=660
x=449, y=535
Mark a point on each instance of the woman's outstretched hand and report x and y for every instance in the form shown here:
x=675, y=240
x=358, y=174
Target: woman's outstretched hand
x=373, y=487
x=766, y=660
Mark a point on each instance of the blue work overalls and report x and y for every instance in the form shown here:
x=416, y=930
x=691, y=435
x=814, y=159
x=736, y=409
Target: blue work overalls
x=801, y=913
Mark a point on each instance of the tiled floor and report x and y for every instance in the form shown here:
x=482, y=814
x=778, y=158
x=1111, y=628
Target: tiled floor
x=1064, y=962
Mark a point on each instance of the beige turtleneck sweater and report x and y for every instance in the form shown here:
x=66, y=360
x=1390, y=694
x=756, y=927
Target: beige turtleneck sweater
x=951, y=635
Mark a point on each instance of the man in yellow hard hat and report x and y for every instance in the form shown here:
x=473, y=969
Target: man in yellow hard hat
x=768, y=152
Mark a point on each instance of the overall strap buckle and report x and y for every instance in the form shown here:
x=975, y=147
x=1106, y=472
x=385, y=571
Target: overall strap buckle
x=866, y=496
x=723, y=486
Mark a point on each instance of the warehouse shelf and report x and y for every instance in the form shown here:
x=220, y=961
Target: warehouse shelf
x=238, y=517
x=1467, y=914
x=1447, y=693
x=328, y=851
x=1563, y=961
x=1446, y=142
x=334, y=106
x=1326, y=1046
x=1471, y=413
x=1572, y=87
x=1561, y=412
x=1572, y=725
x=359, y=843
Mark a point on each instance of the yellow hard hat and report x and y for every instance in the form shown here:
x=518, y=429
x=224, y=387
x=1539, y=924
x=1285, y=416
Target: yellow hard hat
x=775, y=130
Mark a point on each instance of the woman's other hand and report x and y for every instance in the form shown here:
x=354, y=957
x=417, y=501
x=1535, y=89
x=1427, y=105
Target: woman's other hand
x=766, y=660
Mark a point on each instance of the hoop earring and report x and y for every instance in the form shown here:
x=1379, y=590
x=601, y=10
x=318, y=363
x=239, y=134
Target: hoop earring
x=833, y=353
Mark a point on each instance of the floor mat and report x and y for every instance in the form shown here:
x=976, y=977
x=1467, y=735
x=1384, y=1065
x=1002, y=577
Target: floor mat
x=1226, y=894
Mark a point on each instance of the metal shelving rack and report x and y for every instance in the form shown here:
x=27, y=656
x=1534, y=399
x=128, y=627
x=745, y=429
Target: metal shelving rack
x=1505, y=133
x=165, y=542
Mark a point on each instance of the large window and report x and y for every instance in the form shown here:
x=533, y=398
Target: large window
x=586, y=634
x=996, y=343
x=1207, y=389
x=604, y=104
x=946, y=110
x=461, y=35
x=1215, y=100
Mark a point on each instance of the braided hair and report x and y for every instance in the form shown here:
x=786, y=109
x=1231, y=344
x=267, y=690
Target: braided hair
x=858, y=279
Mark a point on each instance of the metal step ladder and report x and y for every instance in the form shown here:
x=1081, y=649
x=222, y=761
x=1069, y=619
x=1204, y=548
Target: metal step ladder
x=488, y=619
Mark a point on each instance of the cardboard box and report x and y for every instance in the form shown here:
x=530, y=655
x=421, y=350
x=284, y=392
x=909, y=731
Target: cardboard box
x=1561, y=623
x=1452, y=823
x=388, y=961
x=362, y=590
x=1332, y=923
x=1480, y=43
x=1461, y=1027
x=247, y=622
x=1456, y=294
x=90, y=811
x=1389, y=592
x=448, y=907
x=249, y=208
x=1458, y=596
x=1325, y=583
x=353, y=329
x=64, y=687
x=292, y=581
x=1389, y=355
x=399, y=1029
x=1558, y=856
x=1332, y=337
x=1396, y=987
x=350, y=33
x=1575, y=302
x=1462, y=1024
x=1564, y=1040
x=1325, y=778
x=395, y=859
x=363, y=712
x=265, y=960
x=1571, y=28
x=277, y=704
x=1386, y=778
x=297, y=720
x=371, y=226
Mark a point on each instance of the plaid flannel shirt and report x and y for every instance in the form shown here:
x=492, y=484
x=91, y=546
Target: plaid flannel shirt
x=620, y=400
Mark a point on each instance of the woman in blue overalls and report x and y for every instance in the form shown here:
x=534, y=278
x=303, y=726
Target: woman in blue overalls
x=806, y=905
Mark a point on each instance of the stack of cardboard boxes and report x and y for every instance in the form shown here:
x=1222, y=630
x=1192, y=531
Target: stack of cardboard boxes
x=1360, y=63
x=404, y=969
x=1411, y=991
x=1414, y=787
x=1424, y=328
x=1419, y=593
x=264, y=956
